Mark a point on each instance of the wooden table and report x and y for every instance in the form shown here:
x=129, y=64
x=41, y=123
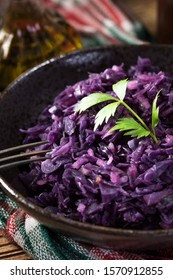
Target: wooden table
x=145, y=11
x=10, y=251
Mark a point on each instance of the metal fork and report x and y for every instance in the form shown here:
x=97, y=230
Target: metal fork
x=19, y=159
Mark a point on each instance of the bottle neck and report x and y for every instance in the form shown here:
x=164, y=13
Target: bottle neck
x=25, y=4
x=23, y=10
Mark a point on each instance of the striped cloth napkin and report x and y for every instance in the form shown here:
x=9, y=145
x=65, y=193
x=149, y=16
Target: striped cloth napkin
x=99, y=23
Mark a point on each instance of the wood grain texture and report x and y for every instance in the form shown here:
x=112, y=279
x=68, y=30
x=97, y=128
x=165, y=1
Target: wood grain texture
x=144, y=11
x=10, y=251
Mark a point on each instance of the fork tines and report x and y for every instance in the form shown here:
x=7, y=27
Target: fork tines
x=24, y=157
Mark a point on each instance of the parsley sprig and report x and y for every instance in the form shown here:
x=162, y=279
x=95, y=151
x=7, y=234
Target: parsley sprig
x=132, y=126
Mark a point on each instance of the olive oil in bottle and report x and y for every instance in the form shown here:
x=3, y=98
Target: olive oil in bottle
x=30, y=34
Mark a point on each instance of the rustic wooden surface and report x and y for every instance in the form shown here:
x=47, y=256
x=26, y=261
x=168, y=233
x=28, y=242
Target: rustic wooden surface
x=10, y=251
x=145, y=11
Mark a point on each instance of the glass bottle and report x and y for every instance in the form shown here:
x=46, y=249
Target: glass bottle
x=30, y=34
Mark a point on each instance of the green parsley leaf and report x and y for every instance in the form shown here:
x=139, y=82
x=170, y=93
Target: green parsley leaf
x=120, y=89
x=155, y=112
x=105, y=113
x=91, y=100
x=132, y=127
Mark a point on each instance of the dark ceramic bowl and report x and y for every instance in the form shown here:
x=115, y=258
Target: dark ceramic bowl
x=21, y=103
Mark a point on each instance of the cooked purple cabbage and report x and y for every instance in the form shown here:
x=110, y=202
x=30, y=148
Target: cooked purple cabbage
x=100, y=177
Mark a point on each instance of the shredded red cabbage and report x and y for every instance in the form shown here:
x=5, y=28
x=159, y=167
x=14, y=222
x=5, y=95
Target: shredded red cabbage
x=100, y=177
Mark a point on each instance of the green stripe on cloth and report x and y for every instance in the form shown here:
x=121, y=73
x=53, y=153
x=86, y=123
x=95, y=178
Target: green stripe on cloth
x=7, y=207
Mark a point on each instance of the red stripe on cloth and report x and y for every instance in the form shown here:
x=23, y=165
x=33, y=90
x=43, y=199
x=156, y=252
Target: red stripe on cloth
x=73, y=17
x=15, y=221
x=95, y=11
x=85, y=23
x=113, y=11
x=109, y=24
x=97, y=17
x=98, y=12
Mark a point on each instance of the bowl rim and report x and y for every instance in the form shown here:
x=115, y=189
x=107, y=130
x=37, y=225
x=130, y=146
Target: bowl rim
x=77, y=52
x=25, y=203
